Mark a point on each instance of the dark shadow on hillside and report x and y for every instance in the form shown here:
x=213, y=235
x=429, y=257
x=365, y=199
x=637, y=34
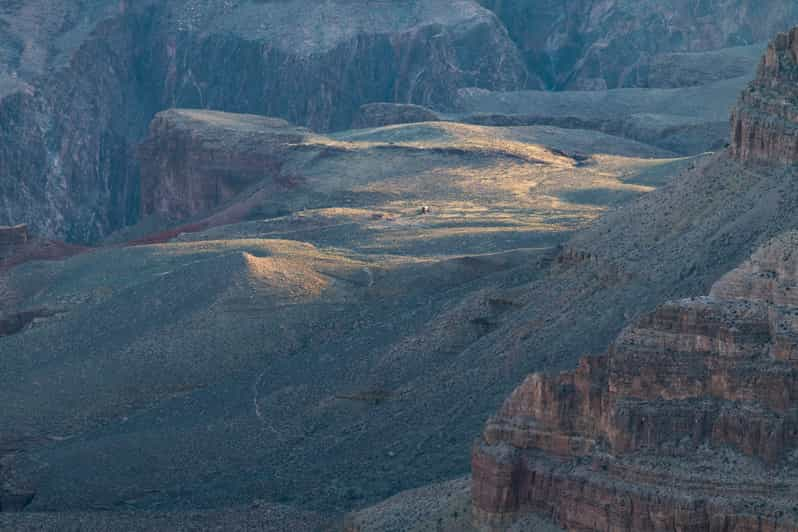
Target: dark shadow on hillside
x=604, y=197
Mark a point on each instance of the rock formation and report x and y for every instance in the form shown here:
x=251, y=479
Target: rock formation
x=688, y=422
x=79, y=84
x=588, y=45
x=387, y=114
x=194, y=161
x=12, y=239
x=686, y=120
x=765, y=122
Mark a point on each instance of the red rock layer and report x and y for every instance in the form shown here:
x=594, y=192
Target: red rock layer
x=765, y=122
x=688, y=423
x=194, y=161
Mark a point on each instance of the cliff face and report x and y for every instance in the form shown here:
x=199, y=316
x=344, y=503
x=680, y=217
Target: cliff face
x=630, y=43
x=194, y=161
x=12, y=239
x=765, y=122
x=79, y=84
x=66, y=161
x=688, y=422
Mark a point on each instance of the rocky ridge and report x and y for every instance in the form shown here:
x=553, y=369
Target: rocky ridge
x=386, y=114
x=590, y=45
x=765, y=122
x=80, y=82
x=195, y=161
x=79, y=85
x=688, y=422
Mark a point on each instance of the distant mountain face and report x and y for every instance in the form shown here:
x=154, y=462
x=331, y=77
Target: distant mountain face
x=79, y=82
x=588, y=45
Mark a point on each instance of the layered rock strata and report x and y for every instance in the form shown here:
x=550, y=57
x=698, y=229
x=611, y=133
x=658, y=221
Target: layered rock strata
x=194, y=161
x=688, y=422
x=588, y=45
x=765, y=122
x=80, y=83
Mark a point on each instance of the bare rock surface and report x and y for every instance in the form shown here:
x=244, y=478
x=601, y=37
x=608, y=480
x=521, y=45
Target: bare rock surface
x=588, y=45
x=80, y=81
x=765, y=122
x=672, y=244
x=690, y=418
x=686, y=120
x=442, y=507
x=291, y=345
x=194, y=161
x=323, y=343
x=12, y=239
x=197, y=163
x=512, y=252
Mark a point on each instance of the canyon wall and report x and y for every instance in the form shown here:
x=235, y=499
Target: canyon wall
x=12, y=239
x=194, y=161
x=387, y=114
x=765, y=122
x=688, y=422
x=67, y=166
x=589, y=45
x=79, y=85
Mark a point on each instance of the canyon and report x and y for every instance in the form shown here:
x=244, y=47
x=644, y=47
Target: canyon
x=79, y=84
x=281, y=260
x=688, y=422
x=611, y=44
x=263, y=314
x=764, y=122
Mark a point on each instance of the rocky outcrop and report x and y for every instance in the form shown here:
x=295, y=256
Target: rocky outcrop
x=765, y=122
x=589, y=45
x=194, y=161
x=79, y=84
x=688, y=422
x=388, y=114
x=66, y=161
x=12, y=239
x=687, y=120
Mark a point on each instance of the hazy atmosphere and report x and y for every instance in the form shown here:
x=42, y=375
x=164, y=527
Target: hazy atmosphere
x=399, y=265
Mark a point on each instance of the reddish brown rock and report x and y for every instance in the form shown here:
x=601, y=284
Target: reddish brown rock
x=194, y=161
x=765, y=122
x=688, y=422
